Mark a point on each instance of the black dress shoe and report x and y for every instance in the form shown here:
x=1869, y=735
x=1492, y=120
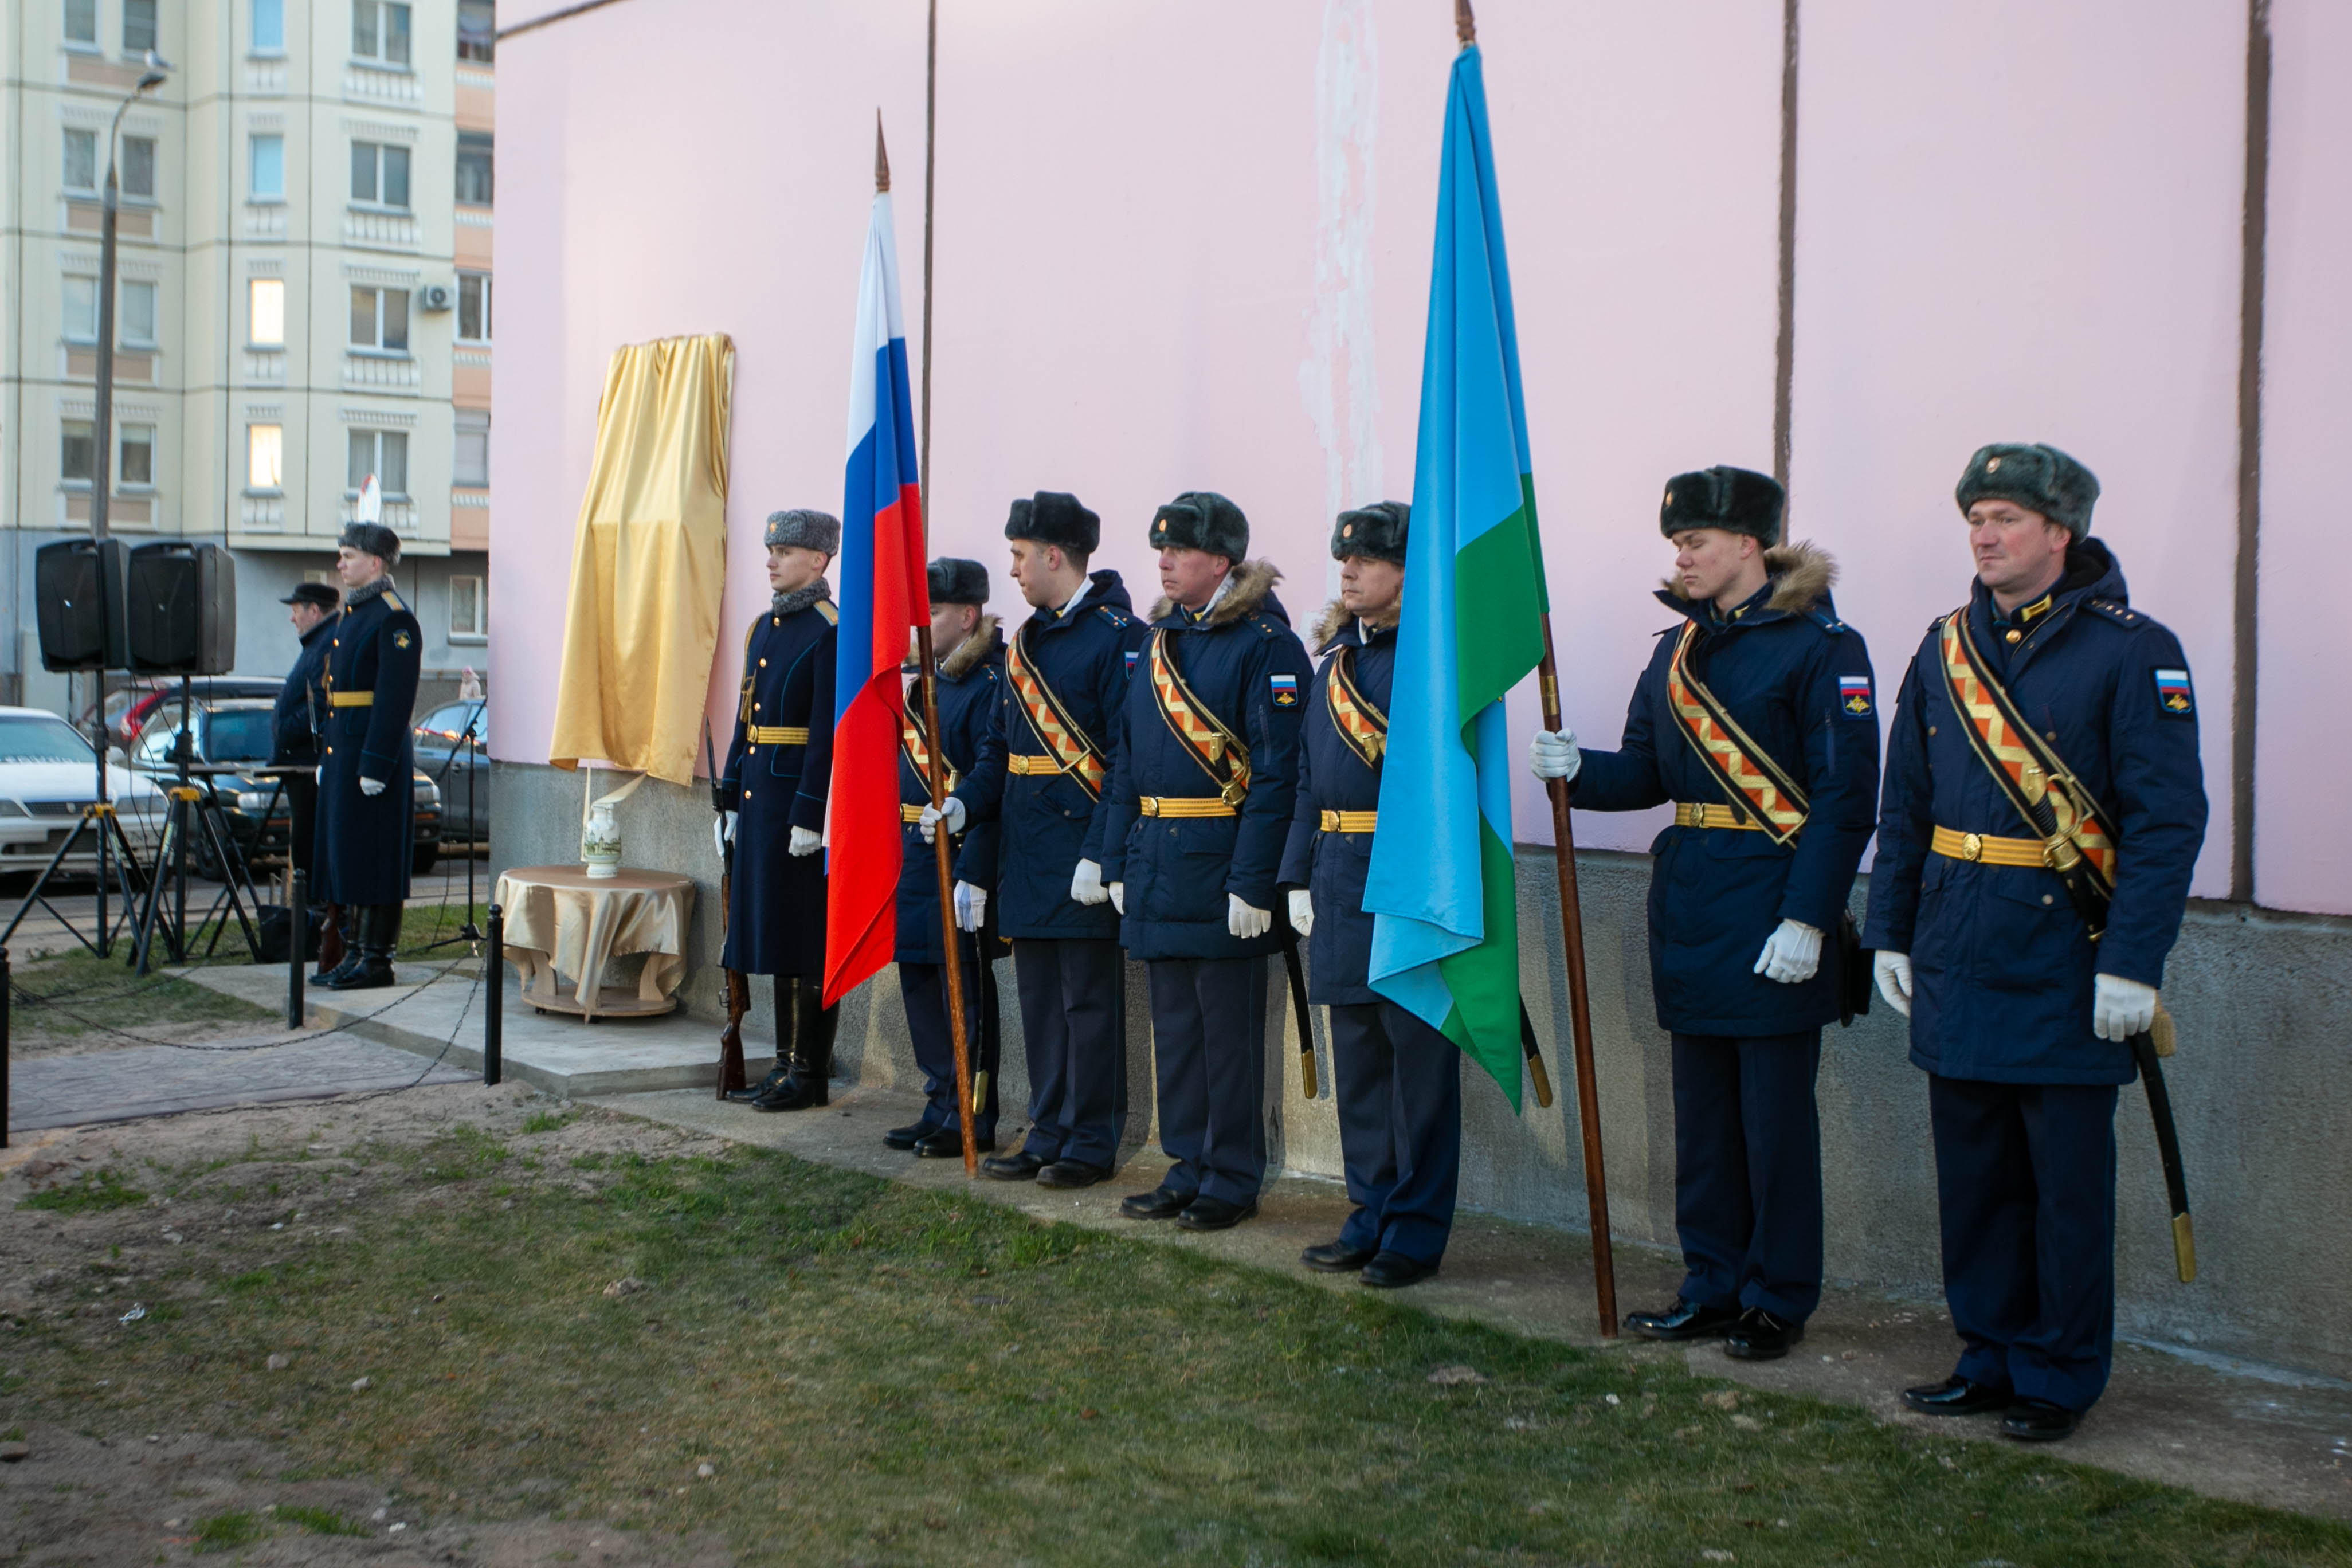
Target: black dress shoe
x=1337, y=1257
x=1684, y=1321
x=910, y=1135
x=1072, y=1174
x=1018, y=1166
x=794, y=1093
x=947, y=1143
x=1214, y=1214
x=1394, y=1270
x=766, y=1085
x=2039, y=1421
x=1759, y=1335
x=1957, y=1396
x=1158, y=1204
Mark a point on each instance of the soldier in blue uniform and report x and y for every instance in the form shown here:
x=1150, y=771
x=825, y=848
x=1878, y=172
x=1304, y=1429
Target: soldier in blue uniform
x=1397, y=1081
x=1198, y=816
x=779, y=766
x=971, y=654
x=301, y=712
x=1757, y=718
x=2019, y=1020
x=366, y=774
x=1050, y=744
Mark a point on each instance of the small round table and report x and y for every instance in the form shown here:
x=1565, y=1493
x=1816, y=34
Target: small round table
x=560, y=921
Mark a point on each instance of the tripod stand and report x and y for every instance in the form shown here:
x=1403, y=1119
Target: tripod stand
x=192, y=810
x=468, y=933
x=118, y=863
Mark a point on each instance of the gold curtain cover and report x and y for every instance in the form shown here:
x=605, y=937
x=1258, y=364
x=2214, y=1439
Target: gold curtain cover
x=649, y=562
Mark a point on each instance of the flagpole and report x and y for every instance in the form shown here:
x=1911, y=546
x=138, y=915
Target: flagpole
x=1572, y=936
x=938, y=781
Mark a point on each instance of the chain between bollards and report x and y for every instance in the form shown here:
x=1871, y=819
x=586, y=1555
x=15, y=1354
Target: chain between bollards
x=494, y=1014
x=298, y=947
x=7, y=986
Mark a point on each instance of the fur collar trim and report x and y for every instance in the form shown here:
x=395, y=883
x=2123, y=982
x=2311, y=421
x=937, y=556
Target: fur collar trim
x=1336, y=618
x=1801, y=576
x=361, y=595
x=1252, y=582
x=973, y=651
x=801, y=598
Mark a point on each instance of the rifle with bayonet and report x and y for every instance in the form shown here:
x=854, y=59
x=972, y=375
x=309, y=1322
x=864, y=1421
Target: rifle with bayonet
x=739, y=989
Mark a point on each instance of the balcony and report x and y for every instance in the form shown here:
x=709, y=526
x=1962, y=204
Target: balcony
x=372, y=84
x=265, y=367
x=399, y=514
x=262, y=513
x=129, y=222
x=122, y=512
x=81, y=364
x=381, y=230
x=264, y=220
x=266, y=77
x=381, y=373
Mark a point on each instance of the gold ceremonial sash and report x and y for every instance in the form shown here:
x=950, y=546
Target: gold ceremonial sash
x=1217, y=749
x=1771, y=799
x=2030, y=773
x=1361, y=725
x=1063, y=737
x=913, y=743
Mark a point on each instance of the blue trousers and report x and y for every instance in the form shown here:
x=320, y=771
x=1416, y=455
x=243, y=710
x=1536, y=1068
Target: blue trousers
x=2025, y=1187
x=924, y=989
x=1748, y=1171
x=1070, y=995
x=1398, y=1083
x=1208, y=1043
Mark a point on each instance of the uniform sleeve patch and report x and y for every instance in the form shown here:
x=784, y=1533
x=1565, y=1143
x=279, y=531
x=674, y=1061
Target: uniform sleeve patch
x=1285, y=690
x=1854, y=697
x=400, y=641
x=2173, y=697
x=1131, y=653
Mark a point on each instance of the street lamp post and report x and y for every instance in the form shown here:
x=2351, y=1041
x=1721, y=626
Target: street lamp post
x=101, y=490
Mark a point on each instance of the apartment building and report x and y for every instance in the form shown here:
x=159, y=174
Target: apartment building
x=304, y=298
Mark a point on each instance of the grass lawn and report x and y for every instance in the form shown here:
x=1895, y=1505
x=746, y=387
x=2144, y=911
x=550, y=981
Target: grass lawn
x=875, y=1374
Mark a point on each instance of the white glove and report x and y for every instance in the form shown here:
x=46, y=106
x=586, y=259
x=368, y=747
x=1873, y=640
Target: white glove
x=2121, y=1008
x=1245, y=920
x=722, y=832
x=952, y=814
x=1791, y=953
x=1087, y=883
x=371, y=787
x=1553, y=754
x=1117, y=893
x=1893, y=971
x=804, y=841
x=970, y=906
x=1302, y=911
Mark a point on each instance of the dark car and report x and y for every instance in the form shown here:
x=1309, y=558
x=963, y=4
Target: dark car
x=237, y=730
x=451, y=750
x=142, y=696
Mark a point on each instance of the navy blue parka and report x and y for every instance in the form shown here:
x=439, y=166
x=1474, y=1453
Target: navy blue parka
x=971, y=680
x=1332, y=777
x=364, y=841
x=775, y=923
x=301, y=710
x=1798, y=681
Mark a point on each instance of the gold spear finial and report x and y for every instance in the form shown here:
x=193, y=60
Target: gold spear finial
x=1466, y=25
x=882, y=157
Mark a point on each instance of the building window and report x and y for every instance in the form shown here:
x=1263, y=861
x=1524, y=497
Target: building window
x=82, y=161
x=267, y=180
x=265, y=312
x=473, y=307
x=380, y=318
x=138, y=314
x=74, y=451
x=81, y=310
x=470, y=609
x=81, y=22
x=139, y=455
x=269, y=27
x=264, y=457
x=470, y=459
x=379, y=31
x=478, y=29
x=139, y=166
x=137, y=26
x=474, y=168
x=384, y=454
x=380, y=174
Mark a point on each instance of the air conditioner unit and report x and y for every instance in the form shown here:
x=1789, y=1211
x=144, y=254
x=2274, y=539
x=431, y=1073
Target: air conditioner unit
x=436, y=296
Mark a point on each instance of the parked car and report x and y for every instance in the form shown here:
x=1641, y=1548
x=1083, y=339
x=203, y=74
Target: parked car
x=237, y=731
x=462, y=771
x=130, y=706
x=48, y=776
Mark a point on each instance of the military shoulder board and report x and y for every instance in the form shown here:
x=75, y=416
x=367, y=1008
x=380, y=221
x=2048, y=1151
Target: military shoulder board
x=831, y=616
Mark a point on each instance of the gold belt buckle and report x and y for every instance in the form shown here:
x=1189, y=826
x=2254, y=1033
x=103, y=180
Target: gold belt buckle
x=1235, y=789
x=1971, y=845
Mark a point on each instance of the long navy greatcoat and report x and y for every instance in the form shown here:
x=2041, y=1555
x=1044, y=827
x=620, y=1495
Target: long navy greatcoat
x=775, y=922
x=2001, y=965
x=1247, y=667
x=364, y=841
x=1048, y=823
x=1333, y=777
x=970, y=679
x=1798, y=681
x=301, y=707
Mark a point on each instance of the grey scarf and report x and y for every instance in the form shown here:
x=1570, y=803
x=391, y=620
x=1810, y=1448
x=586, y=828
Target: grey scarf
x=801, y=598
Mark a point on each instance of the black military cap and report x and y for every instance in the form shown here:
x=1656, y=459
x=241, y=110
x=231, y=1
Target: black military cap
x=1053, y=517
x=958, y=581
x=1201, y=519
x=806, y=528
x=372, y=539
x=1377, y=531
x=1738, y=501
x=316, y=594
x=2038, y=478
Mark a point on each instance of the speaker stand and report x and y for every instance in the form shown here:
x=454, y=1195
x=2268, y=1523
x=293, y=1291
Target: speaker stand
x=118, y=863
x=192, y=810
x=467, y=933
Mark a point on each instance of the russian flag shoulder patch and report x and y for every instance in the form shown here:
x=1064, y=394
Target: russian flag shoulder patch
x=1854, y=697
x=1285, y=690
x=2174, y=699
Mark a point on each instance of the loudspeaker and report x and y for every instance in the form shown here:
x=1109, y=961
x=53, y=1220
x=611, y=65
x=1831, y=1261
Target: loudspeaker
x=79, y=594
x=183, y=609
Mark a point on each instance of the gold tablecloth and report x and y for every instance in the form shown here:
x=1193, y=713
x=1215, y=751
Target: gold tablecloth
x=561, y=921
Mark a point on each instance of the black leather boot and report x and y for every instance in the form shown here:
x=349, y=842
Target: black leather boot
x=346, y=924
x=781, y=991
x=812, y=1032
x=379, y=932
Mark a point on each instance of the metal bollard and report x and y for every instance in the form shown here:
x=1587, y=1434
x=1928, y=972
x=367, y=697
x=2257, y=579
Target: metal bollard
x=5, y=987
x=297, y=948
x=494, y=1019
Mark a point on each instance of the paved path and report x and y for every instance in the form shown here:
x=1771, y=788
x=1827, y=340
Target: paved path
x=156, y=1081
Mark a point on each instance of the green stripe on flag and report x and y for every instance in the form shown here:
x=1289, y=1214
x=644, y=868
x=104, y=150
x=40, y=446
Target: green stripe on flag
x=1498, y=609
x=1484, y=979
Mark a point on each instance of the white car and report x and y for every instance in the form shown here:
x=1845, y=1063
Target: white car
x=48, y=776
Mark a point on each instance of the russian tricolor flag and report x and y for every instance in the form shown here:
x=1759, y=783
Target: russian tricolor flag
x=883, y=595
